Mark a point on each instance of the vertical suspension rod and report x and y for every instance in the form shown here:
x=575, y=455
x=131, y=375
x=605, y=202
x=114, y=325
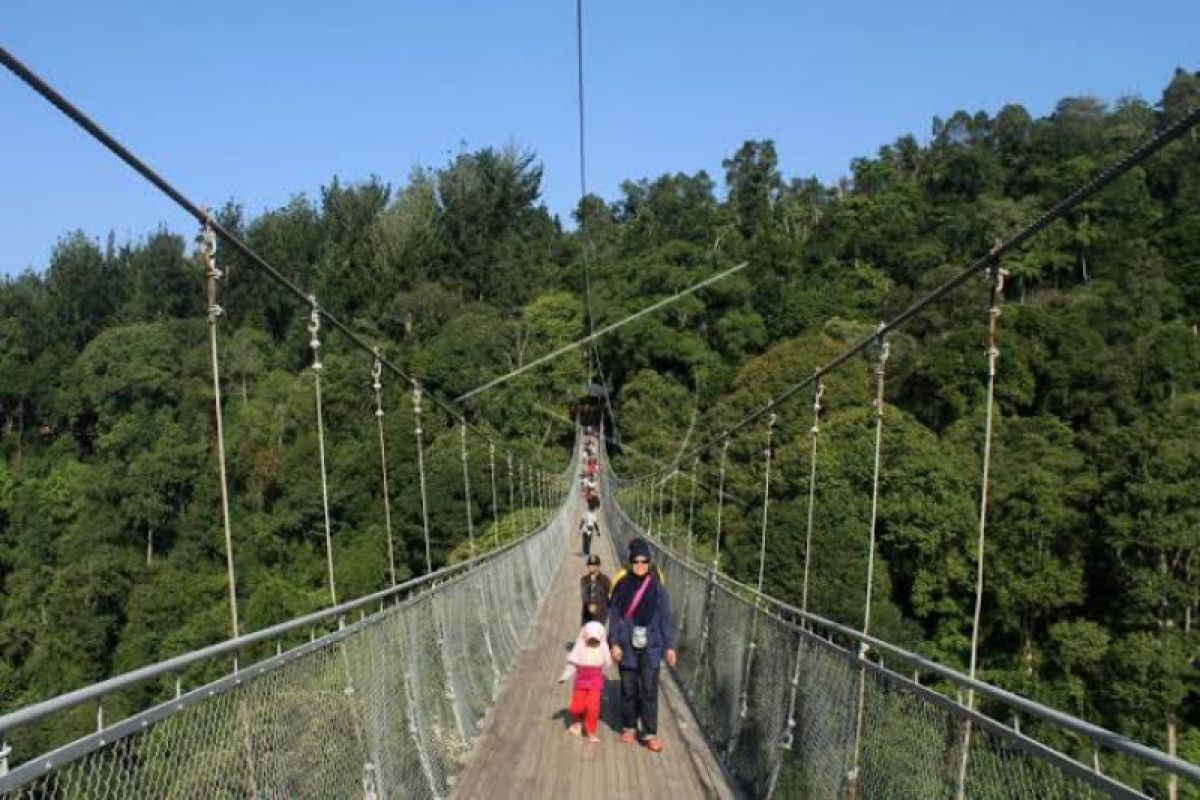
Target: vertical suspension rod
x=720, y=503
x=993, y=357
x=377, y=385
x=418, y=434
x=815, y=432
x=495, y=502
x=466, y=472
x=208, y=249
x=880, y=368
x=752, y=650
x=314, y=343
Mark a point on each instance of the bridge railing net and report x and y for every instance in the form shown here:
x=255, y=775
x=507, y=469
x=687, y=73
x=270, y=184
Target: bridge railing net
x=385, y=707
x=912, y=737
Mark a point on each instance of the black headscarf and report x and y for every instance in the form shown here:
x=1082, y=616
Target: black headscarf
x=628, y=587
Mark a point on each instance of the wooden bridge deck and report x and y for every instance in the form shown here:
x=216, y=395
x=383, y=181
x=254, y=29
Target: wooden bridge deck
x=525, y=751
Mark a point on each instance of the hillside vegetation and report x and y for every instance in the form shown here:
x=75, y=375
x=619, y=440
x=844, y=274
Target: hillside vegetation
x=111, y=551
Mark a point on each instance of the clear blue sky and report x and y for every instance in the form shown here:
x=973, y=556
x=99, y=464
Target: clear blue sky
x=257, y=101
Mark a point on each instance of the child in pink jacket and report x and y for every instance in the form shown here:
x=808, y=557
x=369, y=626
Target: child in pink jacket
x=587, y=660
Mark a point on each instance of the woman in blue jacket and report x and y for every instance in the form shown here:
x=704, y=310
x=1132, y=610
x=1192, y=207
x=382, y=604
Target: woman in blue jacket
x=642, y=635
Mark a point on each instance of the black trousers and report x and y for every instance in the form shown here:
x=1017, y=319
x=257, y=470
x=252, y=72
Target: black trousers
x=587, y=543
x=639, y=697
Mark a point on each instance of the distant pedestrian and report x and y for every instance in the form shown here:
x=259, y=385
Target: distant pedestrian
x=594, y=588
x=589, y=526
x=586, y=663
x=643, y=635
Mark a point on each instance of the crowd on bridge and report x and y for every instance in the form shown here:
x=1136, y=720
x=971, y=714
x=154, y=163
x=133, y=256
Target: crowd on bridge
x=626, y=623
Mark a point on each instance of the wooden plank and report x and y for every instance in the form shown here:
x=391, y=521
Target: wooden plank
x=524, y=750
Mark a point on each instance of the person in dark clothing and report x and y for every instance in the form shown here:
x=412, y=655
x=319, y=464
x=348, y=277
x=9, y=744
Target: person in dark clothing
x=594, y=588
x=642, y=636
x=589, y=526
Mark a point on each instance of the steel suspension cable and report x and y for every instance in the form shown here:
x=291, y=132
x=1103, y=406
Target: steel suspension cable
x=487, y=631
x=692, y=508
x=687, y=573
x=772, y=418
x=583, y=228
x=752, y=649
x=720, y=503
x=495, y=502
x=524, y=486
x=418, y=434
x=511, y=489
x=652, y=506
x=208, y=252
x=1081, y=194
x=787, y=737
x=662, y=492
x=314, y=343
x=607, y=329
x=880, y=374
x=815, y=432
x=674, y=494
x=993, y=357
x=377, y=385
x=110, y=143
x=702, y=673
x=466, y=473
x=535, y=477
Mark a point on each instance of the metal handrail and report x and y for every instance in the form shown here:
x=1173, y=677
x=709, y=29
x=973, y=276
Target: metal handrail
x=1113, y=741
x=23, y=717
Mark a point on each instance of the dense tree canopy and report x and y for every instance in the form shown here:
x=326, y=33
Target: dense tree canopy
x=111, y=552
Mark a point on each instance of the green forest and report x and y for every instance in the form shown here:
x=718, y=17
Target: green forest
x=111, y=546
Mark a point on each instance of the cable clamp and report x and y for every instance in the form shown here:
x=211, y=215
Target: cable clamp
x=789, y=736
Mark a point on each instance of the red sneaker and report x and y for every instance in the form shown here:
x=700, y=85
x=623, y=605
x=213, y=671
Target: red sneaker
x=654, y=745
x=629, y=737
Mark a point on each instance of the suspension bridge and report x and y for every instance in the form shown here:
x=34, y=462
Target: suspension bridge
x=442, y=686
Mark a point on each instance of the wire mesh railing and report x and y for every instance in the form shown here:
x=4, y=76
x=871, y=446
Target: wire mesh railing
x=384, y=706
x=776, y=691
